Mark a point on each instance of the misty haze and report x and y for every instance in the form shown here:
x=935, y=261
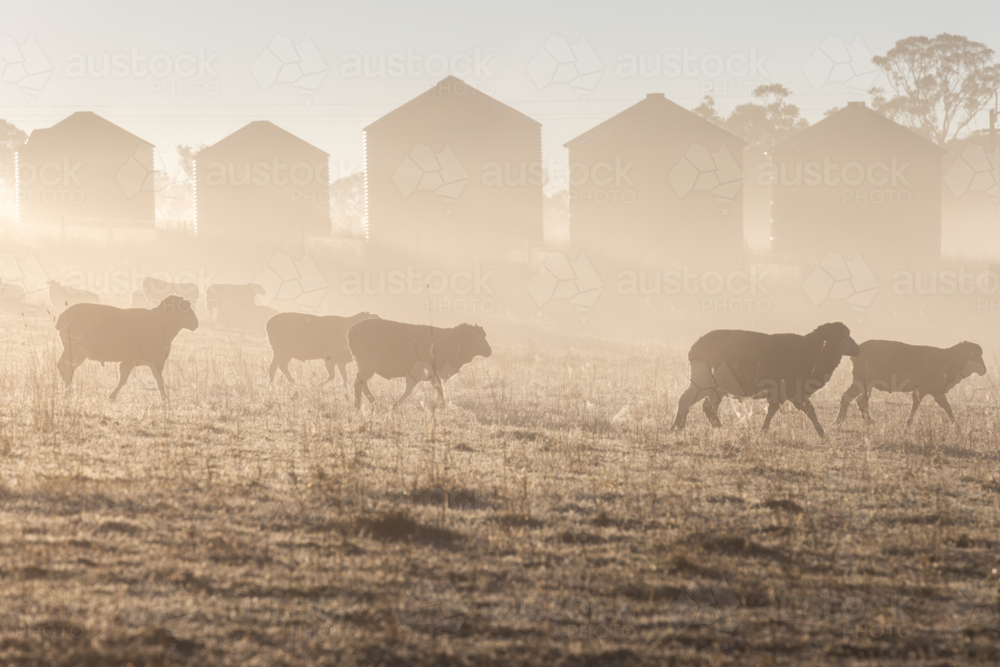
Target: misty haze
x=523, y=334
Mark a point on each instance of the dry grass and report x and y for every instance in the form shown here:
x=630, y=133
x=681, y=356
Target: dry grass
x=547, y=516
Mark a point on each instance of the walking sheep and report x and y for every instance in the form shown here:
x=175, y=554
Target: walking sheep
x=133, y=337
x=775, y=367
x=308, y=337
x=416, y=352
x=919, y=370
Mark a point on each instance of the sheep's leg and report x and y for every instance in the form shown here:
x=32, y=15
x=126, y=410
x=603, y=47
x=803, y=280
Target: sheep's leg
x=273, y=369
x=158, y=376
x=807, y=407
x=361, y=385
x=439, y=387
x=916, y=404
x=942, y=400
x=124, y=370
x=358, y=386
x=688, y=398
x=66, y=367
x=772, y=409
x=343, y=376
x=855, y=390
x=411, y=382
x=863, y=404
x=284, y=370
x=711, y=408
x=72, y=358
x=331, y=371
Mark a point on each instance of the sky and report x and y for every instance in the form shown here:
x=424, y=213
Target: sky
x=188, y=72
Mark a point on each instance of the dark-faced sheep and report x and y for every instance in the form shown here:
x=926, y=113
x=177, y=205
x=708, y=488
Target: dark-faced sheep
x=416, y=352
x=309, y=337
x=775, y=367
x=920, y=370
x=63, y=296
x=132, y=337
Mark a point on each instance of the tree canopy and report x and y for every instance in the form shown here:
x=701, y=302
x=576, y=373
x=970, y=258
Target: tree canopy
x=768, y=120
x=938, y=84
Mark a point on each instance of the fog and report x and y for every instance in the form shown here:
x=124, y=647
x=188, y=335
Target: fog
x=593, y=187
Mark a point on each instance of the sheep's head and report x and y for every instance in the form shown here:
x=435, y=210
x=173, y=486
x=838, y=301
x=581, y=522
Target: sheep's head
x=179, y=310
x=838, y=335
x=474, y=340
x=973, y=355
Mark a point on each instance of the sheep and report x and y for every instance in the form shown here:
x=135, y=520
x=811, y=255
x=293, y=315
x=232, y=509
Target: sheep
x=416, y=352
x=132, y=336
x=156, y=290
x=776, y=367
x=920, y=370
x=223, y=297
x=62, y=296
x=307, y=337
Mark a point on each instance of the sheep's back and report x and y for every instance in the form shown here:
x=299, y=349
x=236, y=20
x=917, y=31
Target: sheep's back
x=900, y=366
x=107, y=333
x=307, y=337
